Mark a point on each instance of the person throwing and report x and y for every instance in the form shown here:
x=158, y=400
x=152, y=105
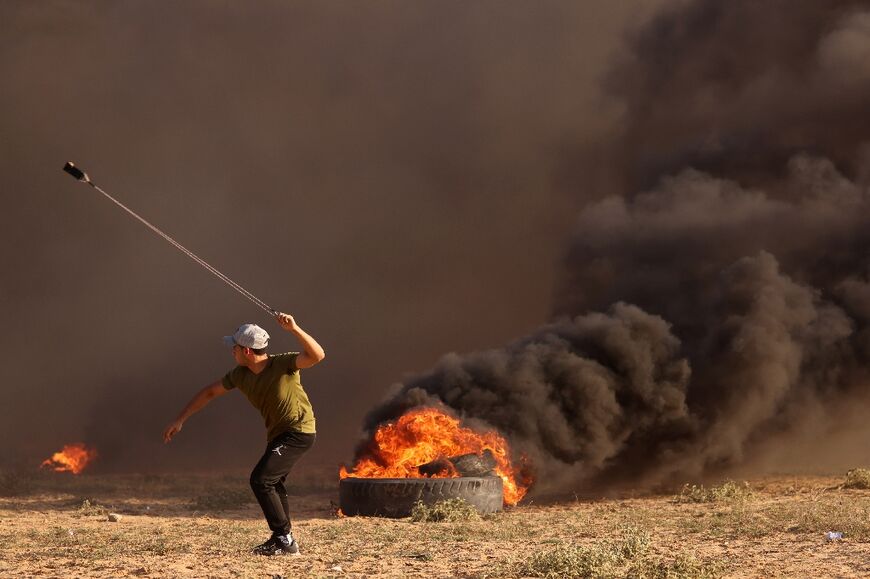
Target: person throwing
x=271, y=382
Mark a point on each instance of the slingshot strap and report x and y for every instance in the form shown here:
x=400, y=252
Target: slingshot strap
x=256, y=301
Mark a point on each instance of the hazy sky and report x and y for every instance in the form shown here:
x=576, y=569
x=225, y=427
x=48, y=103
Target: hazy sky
x=400, y=176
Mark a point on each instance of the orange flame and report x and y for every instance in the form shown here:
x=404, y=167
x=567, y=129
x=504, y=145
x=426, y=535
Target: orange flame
x=421, y=436
x=73, y=458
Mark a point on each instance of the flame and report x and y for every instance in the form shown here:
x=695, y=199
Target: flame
x=72, y=458
x=423, y=435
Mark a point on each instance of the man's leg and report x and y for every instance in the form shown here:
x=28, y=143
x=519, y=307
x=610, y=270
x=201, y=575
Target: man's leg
x=282, y=494
x=266, y=478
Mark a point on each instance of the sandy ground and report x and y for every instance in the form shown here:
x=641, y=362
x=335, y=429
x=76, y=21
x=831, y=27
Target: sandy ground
x=204, y=527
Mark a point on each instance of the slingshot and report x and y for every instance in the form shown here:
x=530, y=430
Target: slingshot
x=83, y=177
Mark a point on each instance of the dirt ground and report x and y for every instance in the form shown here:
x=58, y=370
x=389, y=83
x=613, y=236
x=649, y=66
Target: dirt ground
x=186, y=526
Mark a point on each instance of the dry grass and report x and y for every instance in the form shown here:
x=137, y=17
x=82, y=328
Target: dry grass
x=681, y=567
x=628, y=556
x=60, y=529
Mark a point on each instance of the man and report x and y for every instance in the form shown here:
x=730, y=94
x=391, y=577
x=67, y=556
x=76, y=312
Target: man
x=272, y=384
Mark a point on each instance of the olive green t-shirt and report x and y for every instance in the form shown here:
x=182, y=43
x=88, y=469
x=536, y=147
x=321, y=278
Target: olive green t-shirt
x=277, y=393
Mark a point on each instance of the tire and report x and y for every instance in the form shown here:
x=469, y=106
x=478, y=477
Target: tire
x=475, y=465
x=395, y=497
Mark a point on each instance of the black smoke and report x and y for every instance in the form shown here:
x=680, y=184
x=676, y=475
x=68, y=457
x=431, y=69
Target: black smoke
x=717, y=296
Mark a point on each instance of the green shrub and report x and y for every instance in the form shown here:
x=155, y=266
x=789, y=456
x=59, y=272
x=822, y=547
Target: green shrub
x=634, y=543
x=90, y=507
x=857, y=478
x=601, y=560
x=570, y=561
x=727, y=492
x=451, y=510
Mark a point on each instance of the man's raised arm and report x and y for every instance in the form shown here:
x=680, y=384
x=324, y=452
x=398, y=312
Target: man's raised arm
x=312, y=352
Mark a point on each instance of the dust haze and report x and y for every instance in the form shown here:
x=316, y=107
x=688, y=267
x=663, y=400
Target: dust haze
x=401, y=177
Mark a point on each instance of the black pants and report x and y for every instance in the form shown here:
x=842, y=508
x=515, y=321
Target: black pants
x=267, y=478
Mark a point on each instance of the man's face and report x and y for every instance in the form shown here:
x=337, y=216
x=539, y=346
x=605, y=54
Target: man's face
x=239, y=354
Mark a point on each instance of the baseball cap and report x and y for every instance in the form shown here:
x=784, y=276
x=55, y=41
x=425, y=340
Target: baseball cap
x=248, y=336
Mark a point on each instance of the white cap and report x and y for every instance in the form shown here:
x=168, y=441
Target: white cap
x=248, y=336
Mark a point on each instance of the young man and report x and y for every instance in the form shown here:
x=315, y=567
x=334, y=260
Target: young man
x=271, y=383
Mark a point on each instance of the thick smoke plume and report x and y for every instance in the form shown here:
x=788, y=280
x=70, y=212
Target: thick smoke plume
x=717, y=295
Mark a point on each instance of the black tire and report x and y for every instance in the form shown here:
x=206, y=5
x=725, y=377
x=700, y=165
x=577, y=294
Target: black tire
x=395, y=497
x=473, y=464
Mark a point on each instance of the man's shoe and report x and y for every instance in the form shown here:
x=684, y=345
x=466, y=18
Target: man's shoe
x=288, y=544
x=277, y=545
x=267, y=548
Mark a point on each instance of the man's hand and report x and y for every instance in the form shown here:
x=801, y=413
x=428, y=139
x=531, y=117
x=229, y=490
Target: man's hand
x=312, y=351
x=172, y=430
x=287, y=322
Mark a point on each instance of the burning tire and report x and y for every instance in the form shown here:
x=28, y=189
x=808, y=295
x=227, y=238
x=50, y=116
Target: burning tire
x=395, y=497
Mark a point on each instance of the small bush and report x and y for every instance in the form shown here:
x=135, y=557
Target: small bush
x=857, y=478
x=569, y=561
x=221, y=500
x=634, y=543
x=451, y=510
x=602, y=560
x=727, y=492
x=91, y=508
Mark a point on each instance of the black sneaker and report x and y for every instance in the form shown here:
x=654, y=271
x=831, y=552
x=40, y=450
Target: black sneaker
x=277, y=545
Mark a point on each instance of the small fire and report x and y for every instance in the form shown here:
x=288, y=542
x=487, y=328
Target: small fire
x=72, y=458
x=421, y=436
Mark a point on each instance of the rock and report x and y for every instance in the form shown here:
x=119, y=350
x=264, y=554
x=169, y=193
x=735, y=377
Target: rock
x=114, y=517
x=337, y=569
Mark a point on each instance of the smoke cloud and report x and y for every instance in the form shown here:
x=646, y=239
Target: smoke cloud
x=716, y=297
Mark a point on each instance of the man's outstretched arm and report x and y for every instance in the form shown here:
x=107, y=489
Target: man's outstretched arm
x=199, y=400
x=312, y=352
